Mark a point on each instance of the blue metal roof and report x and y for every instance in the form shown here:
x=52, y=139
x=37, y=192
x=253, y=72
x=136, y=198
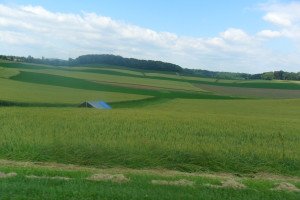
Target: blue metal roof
x=96, y=104
x=99, y=104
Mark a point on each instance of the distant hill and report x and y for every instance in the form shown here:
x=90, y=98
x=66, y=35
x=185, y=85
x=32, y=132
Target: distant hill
x=126, y=62
x=106, y=59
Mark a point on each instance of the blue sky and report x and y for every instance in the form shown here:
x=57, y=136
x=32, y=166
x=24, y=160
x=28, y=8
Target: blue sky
x=224, y=35
x=185, y=17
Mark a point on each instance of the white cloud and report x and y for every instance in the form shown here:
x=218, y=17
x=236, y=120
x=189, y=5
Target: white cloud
x=286, y=18
x=278, y=18
x=282, y=14
x=14, y=38
x=233, y=34
x=39, y=32
x=269, y=34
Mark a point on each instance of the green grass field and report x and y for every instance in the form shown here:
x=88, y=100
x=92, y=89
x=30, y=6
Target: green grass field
x=52, y=181
x=159, y=122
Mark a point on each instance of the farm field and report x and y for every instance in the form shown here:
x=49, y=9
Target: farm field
x=170, y=81
x=35, y=93
x=251, y=92
x=199, y=135
x=164, y=127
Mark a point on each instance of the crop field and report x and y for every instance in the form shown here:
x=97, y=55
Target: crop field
x=251, y=92
x=13, y=91
x=205, y=136
x=167, y=136
x=155, y=79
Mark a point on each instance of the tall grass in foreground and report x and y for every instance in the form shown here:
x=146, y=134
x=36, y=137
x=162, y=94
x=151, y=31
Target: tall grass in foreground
x=188, y=135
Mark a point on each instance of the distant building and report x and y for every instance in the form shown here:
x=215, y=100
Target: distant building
x=95, y=104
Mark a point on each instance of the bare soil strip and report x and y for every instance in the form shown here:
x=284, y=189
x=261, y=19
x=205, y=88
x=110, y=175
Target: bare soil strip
x=48, y=177
x=8, y=175
x=116, y=178
x=287, y=187
x=181, y=182
x=229, y=183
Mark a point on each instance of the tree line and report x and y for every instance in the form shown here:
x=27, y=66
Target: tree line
x=274, y=75
x=100, y=59
x=126, y=62
x=106, y=59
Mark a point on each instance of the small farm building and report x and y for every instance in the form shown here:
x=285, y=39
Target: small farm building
x=95, y=104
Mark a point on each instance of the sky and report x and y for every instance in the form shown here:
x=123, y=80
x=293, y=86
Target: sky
x=250, y=36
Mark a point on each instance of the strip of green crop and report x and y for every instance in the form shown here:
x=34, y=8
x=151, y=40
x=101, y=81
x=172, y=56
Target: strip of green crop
x=139, y=102
x=34, y=104
x=108, y=72
x=249, y=84
x=25, y=65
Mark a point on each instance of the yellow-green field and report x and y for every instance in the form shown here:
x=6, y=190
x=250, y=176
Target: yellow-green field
x=159, y=122
x=188, y=135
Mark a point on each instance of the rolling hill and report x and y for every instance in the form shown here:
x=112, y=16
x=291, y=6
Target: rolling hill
x=167, y=133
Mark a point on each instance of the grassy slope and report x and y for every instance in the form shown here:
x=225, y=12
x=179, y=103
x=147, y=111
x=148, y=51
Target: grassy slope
x=251, y=92
x=7, y=72
x=40, y=89
x=16, y=91
x=56, y=80
x=37, y=94
x=276, y=84
x=156, y=79
x=119, y=78
x=187, y=134
x=183, y=82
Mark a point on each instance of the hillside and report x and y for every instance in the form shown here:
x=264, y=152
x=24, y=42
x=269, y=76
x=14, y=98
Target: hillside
x=150, y=65
x=166, y=135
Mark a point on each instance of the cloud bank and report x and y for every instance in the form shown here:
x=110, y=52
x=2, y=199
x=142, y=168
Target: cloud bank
x=33, y=30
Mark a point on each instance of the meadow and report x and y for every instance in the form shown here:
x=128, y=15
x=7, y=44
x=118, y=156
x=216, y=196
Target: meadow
x=159, y=121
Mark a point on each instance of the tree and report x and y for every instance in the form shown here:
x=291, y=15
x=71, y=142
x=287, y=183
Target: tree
x=268, y=76
x=279, y=75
